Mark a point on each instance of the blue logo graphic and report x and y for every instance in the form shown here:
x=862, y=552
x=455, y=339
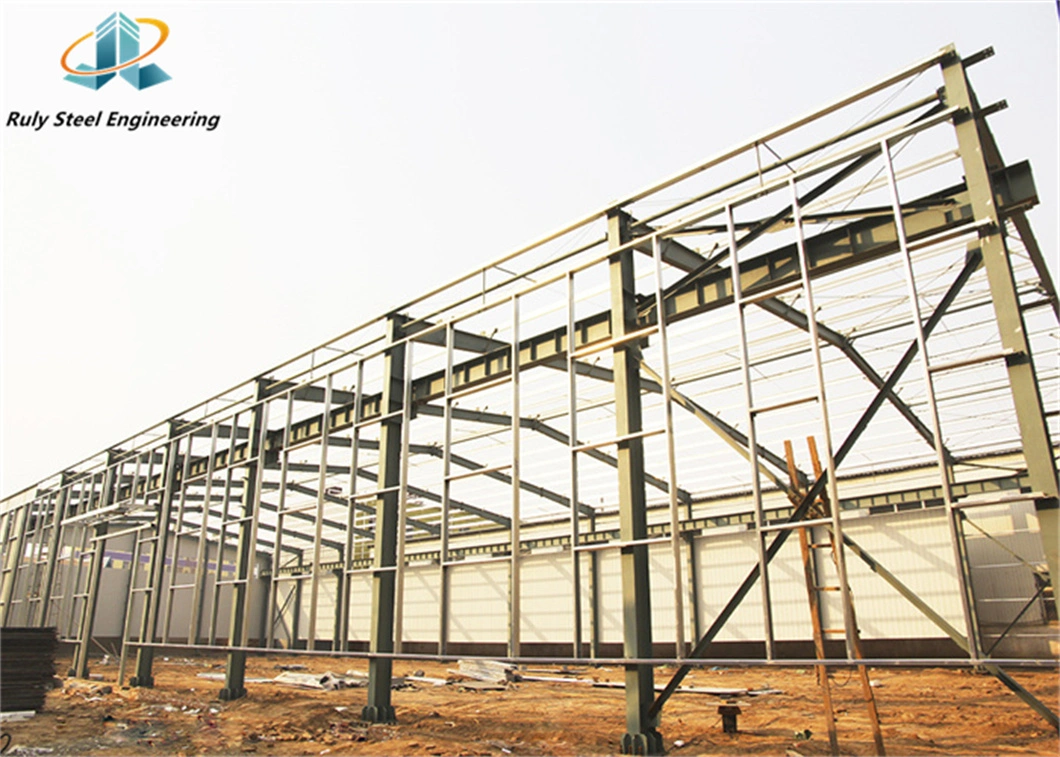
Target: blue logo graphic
x=118, y=52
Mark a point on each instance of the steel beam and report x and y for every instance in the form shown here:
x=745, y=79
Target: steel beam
x=504, y=478
x=501, y=419
x=797, y=318
x=309, y=491
x=419, y=449
x=415, y=491
x=730, y=435
x=850, y=245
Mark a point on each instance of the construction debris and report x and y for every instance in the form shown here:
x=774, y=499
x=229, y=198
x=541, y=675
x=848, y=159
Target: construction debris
x=27, y=667
x=328, y=681
x=554, y=679
x=489, y=671
x=221, y=677
x=426, y=679
x=709, y=690
x=484, y=685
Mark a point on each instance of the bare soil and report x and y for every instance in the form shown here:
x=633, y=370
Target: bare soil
x=923, y=712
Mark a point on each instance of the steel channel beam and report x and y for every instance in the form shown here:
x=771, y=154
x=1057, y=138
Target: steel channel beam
x=797, y=318
x=466, y=341
x=501, y=419
x=925, y=497
x=850, y=245
x=418, y=449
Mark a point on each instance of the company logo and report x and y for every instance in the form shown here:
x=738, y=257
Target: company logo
x=118, y=52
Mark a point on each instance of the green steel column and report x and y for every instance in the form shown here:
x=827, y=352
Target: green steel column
x=111, y=483
x=337, y=643
x=1037, y=448
x=54, y=542
x=88, y=609
x=145, y=656
x=6, y=524
x=236, y=668
x=641, y=735
x=384, y=584
x=12, y=560
x=296, y=614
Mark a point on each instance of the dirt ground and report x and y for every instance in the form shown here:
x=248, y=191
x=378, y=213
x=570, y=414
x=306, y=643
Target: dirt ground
x=923, y=712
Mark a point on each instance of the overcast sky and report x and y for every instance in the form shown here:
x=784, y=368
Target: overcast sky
x=368, y=152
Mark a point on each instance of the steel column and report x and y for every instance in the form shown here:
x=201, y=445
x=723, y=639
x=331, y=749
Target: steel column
x=198, y=594
x=157, y=569
x=1026, y=397
x=88, y=609
x=14, y=559
x=641, y=735
x=571, y=440
x=54, y=542
x=235, y=669
x=384, y=578
x=111, y=482
x=344, y=591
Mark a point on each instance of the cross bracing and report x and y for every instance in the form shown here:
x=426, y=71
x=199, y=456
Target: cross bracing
x=865, y=277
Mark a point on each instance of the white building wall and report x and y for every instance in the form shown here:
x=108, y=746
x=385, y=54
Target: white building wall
x=917, y=548
x=479, y=602
x=1001, y=566
x=421, y=602
x=914, y=545
x=547, y=598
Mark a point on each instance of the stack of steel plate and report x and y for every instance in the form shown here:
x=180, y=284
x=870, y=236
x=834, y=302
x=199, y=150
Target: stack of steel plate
x=27, y=667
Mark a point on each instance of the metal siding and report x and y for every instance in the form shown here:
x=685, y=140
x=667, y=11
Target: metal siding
x=1002, y=583
x=420, y=604
x=479, y=602
x=916, y=547
x=546, y=598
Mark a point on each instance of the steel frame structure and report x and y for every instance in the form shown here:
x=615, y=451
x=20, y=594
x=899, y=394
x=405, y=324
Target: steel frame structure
x=865, y=270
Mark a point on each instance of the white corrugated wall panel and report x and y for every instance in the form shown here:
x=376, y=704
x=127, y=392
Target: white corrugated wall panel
x=547, y=598
x=916, y=547
x=724, y=561
x=1002, y=576
x=609, y=596
x=421, y=603
x=360, y=627
x=479, y=602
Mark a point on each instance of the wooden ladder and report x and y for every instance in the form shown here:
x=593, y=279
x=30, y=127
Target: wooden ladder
x=821, y=508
